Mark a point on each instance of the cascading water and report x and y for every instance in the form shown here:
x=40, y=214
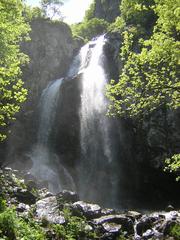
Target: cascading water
x=46, y=164
x=95, y=168
x=96, y=171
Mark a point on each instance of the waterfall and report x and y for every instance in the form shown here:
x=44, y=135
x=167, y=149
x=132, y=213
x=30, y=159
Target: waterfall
x=96, y=171
x=46, y=164
x=95, y=174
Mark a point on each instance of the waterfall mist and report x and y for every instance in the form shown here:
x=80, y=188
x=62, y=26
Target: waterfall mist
x=96, y=169
x=46, y=164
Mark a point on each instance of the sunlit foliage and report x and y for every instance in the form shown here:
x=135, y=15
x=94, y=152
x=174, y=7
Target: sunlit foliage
x=13, y=30
x=90, y=28
x=149, y=77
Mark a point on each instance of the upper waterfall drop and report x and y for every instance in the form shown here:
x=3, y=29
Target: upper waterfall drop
x=96, y=164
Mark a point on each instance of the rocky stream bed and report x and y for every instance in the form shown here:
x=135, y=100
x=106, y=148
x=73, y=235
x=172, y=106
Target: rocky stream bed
x=65, y=216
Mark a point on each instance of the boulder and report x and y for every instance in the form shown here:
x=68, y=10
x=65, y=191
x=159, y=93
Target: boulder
x=24, y=196
x=120, y=219
x=143, y=225
x=111, y=227
x=22, y=208
x=90, y=211
x=47, y=209
x=67, y=196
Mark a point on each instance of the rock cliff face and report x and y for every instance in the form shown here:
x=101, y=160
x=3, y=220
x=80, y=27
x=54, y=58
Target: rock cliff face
x=152, y=141
x=107, y=9
x=140, y=150
x=50, y=50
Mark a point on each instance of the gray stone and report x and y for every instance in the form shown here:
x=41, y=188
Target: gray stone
x=133, y=214
x=111, y=227
x=120, y=219
x=107, y=211
x=67, y=196
x=47, y=209
x=143, y=225
x=87, y=209
x=22, y=207
x=148, y=234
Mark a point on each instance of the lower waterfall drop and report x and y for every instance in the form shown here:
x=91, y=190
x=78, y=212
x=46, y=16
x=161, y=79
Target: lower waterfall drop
x=46, y=164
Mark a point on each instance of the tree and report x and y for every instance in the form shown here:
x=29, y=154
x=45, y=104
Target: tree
x=90, y=28
x=13, y=30
x=51, y=8
x=150, y=73
x=149, y=78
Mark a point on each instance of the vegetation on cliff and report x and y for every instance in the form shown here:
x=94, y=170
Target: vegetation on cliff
x=90, y=26
x=13, y=29
x=149, y=78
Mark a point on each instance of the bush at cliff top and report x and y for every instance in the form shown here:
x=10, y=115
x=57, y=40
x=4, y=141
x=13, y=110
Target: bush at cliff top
x=89, y=29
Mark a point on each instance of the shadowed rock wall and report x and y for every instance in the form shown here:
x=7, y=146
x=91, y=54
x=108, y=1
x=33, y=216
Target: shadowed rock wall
x=50, y=50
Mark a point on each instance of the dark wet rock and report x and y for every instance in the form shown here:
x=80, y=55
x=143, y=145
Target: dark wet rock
x=25, y=196
x=22, y=207
x=31, y=185
x=47, y=209
x=7, y=170
x=169, y=208
x=107, y=211
x=88, y=210
x=143, y=225
x=107, y=224
x=29, y=177
x=133, y=215
x=111, y=227
x=148, y=234
x=67, y=196
x=166, y=226
x=120, y=219
x=44, y=193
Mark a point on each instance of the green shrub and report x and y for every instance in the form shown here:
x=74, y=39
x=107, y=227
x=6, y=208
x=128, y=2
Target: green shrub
x=175, y=231
x=7, y=224
x=13, y=227
x=2, y=204
x=173, y=165
x=89, y=29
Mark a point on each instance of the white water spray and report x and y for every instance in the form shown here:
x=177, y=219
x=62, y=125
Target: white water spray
x=46, y=164
x=96, y=151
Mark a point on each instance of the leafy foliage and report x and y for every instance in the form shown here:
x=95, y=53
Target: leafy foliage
x=149, y=77
x=89, y=14
x=31, y=13
x=175, y=231
x=51, y=8
x=76, y=228
x=13, y=227
x=173, y=165
x=13, y=29
x=90, y=28
x=138, y=12
x=150, y=57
